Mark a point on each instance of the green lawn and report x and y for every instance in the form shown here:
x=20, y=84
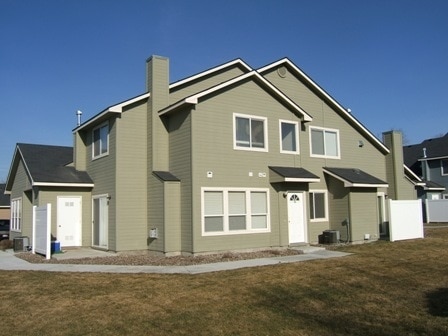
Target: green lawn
x=385, y=288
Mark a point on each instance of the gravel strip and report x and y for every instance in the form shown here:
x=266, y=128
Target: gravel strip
x=142, y=260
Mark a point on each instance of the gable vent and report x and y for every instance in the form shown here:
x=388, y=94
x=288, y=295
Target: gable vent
x=281, y=72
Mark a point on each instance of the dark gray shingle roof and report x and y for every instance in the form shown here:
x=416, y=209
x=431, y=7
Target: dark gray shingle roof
x=355, y=177
x=165, y=176
x=49, y=164
x=293, y=172
x=4, y=199
x=435, y=148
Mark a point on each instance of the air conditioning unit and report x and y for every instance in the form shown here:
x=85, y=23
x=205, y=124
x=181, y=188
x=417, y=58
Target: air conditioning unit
x=331, y=236
x=21, y=244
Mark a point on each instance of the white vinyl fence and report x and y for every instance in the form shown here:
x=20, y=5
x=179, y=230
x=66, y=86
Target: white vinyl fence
x=436, y=211
x=42, y=230
x=405, y=220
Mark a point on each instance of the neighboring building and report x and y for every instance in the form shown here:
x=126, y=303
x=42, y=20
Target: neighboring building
x=429, y=161
x=5, y=213
x=228, y=159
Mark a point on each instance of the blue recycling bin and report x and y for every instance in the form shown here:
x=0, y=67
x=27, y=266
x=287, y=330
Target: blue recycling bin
x=55, y=247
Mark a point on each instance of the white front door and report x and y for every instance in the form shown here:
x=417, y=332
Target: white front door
x=296, y=218
x=69, y=221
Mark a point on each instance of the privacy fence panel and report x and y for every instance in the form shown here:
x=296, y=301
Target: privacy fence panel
x=42, y=230
x=436, y=211
x=405, y=220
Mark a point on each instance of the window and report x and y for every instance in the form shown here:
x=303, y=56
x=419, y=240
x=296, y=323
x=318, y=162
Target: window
x=250, y=133
x=101, y=141
x=16, y=214
x=324, y=143
x=289, y=137
x=444, y=164
x=318, y=205
x=234, y=211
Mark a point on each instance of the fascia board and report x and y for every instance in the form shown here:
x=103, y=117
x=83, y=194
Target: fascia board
x=298, y=179
x=349, y=184
x=327, y=96
x=210, y=71
x=54, y=184
x=433, y=158
x=118, y=108
x=195, y=98
x=17, y=156
x=410, y=172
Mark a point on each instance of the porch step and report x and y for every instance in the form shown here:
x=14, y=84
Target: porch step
x=306, y=249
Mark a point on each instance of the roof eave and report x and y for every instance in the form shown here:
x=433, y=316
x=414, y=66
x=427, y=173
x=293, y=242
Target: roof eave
x=61, y=184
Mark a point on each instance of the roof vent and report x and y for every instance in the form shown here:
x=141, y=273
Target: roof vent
x=78, y=114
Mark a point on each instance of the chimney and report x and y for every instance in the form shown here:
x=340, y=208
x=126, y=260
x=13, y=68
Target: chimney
x=157, y=84
x=394, y=164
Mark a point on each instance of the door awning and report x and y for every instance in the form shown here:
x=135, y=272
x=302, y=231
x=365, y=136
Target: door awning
x=291, y=174
x=353, y=177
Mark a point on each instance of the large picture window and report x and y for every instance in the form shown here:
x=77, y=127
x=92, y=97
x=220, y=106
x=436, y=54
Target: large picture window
x=324, y=143
x=289, y=137
x=101, y=141
x=250, y=132
x=16, y=214
x=234, y=211
x=318, y=205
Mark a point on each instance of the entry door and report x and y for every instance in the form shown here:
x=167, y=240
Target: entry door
x=100, y=221
x=296, y=218
x=69, y=221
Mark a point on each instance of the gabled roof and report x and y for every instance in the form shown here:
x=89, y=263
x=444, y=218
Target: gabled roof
x=353, y=177
x=324, y=95
x=237, y=62
x=117, y=108
x=4, y=199
x=292, y=174
x=254, y=75
x=48, y=166
x=428, y=149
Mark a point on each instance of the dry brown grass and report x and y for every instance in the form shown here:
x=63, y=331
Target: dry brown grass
x=385, y=288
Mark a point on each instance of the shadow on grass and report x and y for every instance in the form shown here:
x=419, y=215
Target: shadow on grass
x=438, y=302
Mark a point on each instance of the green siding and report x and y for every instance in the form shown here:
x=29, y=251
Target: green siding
x=206, y=82
x=364, y=214
x=131, y=227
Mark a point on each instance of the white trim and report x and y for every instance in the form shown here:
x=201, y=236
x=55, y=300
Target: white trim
x=61, y=184
x=319, y=191
x=410, y=172
x=441, y=168
x=210, y=71
x=327, y=96
x=118, y=108
x=296, y=127
x=14, y=226
x=265, y=132
x=299, y=179
x=349, y=184
x=95, y=157
x=226, y=231
x=324, y=129
x=433, y=158
x=194, y=99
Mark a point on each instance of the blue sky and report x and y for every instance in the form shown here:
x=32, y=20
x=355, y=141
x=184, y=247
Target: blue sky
x=385, y=60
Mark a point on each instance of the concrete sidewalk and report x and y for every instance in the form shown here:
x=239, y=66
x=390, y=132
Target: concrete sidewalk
x=9, y=262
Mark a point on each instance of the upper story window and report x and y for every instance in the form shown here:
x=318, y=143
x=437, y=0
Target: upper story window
x=100, y=141
x=444, y=164
x=324, y=142
x=16, y=214
x=250, y=132
x=289, y=137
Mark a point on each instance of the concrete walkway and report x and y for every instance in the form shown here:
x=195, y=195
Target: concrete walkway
x=9, y=262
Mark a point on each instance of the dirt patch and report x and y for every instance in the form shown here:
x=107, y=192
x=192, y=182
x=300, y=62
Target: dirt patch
x=142, y=260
